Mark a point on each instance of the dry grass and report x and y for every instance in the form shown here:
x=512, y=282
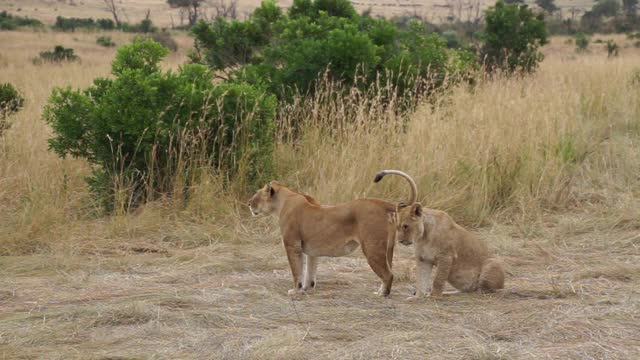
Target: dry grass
x=548, y=164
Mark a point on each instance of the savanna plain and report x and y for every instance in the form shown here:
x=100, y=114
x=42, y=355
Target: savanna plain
x=545, y=168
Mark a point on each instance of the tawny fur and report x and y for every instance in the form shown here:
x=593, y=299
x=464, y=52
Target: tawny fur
x=460, y=257
x=310, y=230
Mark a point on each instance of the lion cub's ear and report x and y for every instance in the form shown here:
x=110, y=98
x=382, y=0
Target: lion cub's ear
x=416, y=210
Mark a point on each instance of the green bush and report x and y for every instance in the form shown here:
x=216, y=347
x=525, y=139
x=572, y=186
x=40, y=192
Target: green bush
x=59, y=54
x=10, y=102
x=146, y=131
x=105, y=41
x=582, y=42
x=12, y=22
x=144, y=26
x=512, y=36
x=286, y=53
x=71, y=24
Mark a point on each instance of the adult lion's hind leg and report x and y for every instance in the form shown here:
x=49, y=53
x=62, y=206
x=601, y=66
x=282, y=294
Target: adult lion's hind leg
x=377, y=259
x=311, y=266
x=491, y=276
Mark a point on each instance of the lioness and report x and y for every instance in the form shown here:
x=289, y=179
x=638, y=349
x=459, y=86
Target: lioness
x=319, y=230
x=461, y=258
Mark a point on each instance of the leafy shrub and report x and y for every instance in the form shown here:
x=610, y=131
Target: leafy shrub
x=513, y=34
x=144, y=26
x=12, y=22
x=59, y=54
x=287, y=53
x=105, y=41
x=10, y=102
x=71, y=24
x=612, y=48
x=582, y=42
x=148, y=132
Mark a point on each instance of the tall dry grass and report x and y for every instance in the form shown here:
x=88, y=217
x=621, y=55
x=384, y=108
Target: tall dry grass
x=509, y=146
x=508, y=149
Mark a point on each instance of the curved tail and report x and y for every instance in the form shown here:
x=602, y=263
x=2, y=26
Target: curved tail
x=414, y=188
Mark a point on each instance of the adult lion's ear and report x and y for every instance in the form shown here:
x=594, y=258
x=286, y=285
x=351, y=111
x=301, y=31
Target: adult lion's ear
x=417, y=210
x=274, y=187
x=392, y=217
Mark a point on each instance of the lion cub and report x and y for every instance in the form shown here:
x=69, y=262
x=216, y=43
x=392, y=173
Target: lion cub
x=460, y=258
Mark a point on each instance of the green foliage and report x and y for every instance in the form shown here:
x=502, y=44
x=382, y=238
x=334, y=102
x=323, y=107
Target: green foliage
x=313, y=8
x=513, y=34
x=612, y=48
x=140, y=127
x=58, y=55
x=144, y=26
x=105, y=41
x=582, y=42
x=12, y=22
x=10, y=103
x=286, y=54
x=71, y=24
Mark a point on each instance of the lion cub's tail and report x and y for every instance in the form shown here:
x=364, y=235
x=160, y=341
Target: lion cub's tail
x=414, y=188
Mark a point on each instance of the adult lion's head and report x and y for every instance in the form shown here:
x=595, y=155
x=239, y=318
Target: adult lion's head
x=265, y=200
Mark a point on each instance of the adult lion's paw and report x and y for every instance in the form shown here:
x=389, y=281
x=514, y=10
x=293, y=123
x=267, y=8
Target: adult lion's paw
x=293, y=292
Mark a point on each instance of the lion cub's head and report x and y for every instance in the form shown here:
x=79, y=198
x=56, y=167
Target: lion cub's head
x=409, y=223
x=265, y=200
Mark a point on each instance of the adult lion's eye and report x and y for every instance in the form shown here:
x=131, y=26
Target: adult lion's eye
x=405, y=227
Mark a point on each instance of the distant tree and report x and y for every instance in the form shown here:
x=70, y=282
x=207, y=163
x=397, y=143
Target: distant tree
x=111, y=7
x=548, y=5
x=191, y=6
x=512, y=36
x=514, y=1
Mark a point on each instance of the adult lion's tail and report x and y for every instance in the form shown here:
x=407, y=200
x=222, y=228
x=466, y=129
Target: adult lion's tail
x=414, y=188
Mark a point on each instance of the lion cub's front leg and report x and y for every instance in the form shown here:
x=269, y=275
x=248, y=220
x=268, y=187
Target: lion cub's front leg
x=423, y=278
x=442, y=274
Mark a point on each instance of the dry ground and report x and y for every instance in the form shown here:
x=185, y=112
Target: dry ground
x=211, y=282
x=572, y=292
